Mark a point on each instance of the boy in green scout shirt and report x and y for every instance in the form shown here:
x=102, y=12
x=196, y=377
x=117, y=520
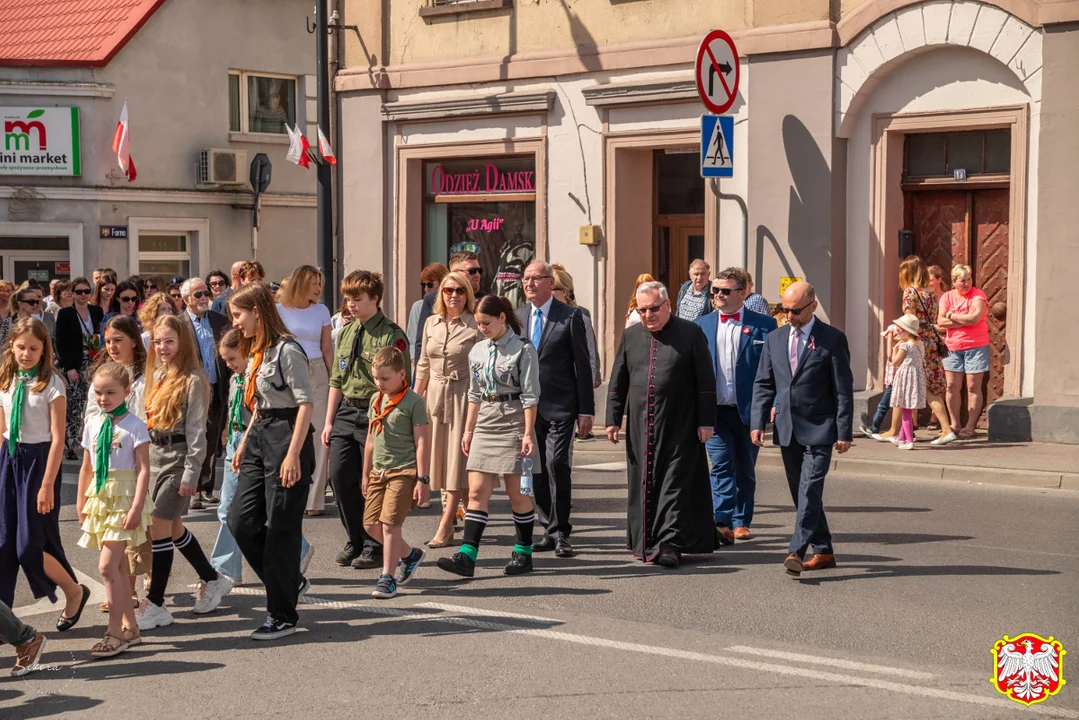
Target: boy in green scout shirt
x=351, y=387
x=394, y=469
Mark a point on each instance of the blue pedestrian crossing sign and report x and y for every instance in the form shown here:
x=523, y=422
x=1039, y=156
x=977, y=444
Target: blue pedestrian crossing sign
x=717, y=146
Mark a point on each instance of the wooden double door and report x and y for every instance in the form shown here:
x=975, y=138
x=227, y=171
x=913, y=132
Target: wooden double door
x=969, y=227
x=678, y=240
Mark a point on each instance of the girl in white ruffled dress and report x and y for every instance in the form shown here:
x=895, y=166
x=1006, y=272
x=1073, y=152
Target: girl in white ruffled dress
x=113, y=506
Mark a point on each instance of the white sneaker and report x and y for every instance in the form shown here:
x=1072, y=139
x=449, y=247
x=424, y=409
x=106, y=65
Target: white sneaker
x=305, y=559
x=876, y=436
x=949, y=438
x=893, y=440
x=150, y=616
x=209, y=595
x=905, y=446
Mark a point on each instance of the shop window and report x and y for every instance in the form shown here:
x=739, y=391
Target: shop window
x=679, y=187
x=487, y=207
x=261, y=103
x=979, y=152
x=165, y=255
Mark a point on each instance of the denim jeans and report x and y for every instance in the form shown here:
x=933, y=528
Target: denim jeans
x=883, y=409
x=12, y=630
x=226, y=556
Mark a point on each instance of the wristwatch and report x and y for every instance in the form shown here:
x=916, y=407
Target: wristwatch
x=426, y=479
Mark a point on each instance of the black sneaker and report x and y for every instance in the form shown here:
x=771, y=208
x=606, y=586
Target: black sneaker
x=386, y=588
x=369, y=558
x=519, y=564
x=346, y=556
x=305, y=585
x=458, y=564
x=406, y=566
x=273, y=629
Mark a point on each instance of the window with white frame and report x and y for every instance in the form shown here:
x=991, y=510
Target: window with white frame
x=165, y=254
x=261, y=103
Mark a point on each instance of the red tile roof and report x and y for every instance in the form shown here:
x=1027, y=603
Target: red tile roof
x=69, y=32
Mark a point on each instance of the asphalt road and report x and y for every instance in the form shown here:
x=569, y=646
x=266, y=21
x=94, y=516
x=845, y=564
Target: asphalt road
x=930, y=575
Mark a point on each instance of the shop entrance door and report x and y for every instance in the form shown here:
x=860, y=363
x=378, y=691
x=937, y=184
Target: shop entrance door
x=969, y=227
x=19, y=266
x=679, y=240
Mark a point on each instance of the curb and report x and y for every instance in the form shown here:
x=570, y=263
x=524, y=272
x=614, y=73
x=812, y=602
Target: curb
x=930, y=471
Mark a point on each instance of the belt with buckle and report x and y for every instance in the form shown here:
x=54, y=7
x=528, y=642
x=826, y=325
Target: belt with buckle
x=361, y=404
x=495, y=397
x=278, y=412
x=166, y=439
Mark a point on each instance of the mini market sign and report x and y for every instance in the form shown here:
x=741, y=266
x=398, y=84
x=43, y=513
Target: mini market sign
x=40, y=141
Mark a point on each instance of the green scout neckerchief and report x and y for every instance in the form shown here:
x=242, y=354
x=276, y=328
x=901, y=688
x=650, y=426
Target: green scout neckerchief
x=17, y=401
x=236, y=410
x=104, y=445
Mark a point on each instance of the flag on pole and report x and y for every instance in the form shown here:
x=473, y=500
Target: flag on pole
x=121, y=145
x=325, y=149
x=297, y=149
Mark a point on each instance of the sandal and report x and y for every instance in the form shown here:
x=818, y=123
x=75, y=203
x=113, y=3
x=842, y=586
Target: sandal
x=965, y=434
x=132, y=636
x=65, y=623
x=110, y=646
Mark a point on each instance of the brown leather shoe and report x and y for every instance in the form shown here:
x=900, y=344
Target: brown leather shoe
x=820, y=561
x=742, y=533
x=724, y=535
x=793, y=564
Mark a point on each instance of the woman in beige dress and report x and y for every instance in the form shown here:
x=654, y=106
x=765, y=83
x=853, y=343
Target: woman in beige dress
x=442, y=380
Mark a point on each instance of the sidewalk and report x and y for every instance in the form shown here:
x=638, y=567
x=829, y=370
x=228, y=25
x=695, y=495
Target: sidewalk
x=1034, y=465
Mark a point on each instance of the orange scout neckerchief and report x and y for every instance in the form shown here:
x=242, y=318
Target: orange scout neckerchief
x=249, y=386
x=380, y=415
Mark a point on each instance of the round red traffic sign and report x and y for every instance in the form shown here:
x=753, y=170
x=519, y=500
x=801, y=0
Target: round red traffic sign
x=717, y=72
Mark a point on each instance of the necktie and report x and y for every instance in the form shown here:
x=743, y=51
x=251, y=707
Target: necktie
x=794, y=350
x=249, y=386
x=104, y=446
x=357, y=348
x=17, y=401
x=236, y=417
x=724, y=318
x=537, y=329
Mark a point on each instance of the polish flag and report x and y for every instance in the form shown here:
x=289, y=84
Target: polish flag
x=121, y=145
x=325, y=149
x=297, y=149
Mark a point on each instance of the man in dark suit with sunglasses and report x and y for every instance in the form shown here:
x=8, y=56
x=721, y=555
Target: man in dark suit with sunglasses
x=736, y=338
x=805, y=375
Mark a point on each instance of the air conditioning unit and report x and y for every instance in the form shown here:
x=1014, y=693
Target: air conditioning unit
x=221, y=167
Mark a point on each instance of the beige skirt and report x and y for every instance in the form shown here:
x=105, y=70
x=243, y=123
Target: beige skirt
x=496, y=441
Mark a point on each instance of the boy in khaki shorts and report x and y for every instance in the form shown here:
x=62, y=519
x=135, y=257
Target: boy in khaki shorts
x=394, y=469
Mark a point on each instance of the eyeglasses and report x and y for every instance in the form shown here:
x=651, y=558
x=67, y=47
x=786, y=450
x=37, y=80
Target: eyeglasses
x=458, y=291
x=535, y=278
x=198, y=294
x=83, y=291
x=475, y=271
x=164, y=342
x=725, y=291
x=795, y=311
x=427, y=286
x=651, y=310
x=128, y=298
x=30, y=301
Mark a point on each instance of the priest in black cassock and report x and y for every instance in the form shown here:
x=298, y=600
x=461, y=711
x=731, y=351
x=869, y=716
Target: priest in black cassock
x=664, y=382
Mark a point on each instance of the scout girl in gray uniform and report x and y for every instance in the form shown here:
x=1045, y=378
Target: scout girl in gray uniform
x=499, y=438
x=177, y=399
x=276, y=458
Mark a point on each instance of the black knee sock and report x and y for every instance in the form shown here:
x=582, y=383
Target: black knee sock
x=160, y=567
x=191, y=550
x=475, y=523
x=522, y=525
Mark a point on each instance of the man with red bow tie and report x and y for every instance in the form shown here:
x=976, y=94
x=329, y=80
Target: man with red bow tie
x=735, y=339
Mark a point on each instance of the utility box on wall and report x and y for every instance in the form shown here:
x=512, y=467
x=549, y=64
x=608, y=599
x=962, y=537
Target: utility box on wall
x=589, y=235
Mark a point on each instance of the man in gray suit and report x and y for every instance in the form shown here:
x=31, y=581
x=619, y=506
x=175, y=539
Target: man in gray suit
x=804, y=375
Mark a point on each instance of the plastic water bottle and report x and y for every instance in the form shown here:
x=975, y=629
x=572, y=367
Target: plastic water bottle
x=526, y=476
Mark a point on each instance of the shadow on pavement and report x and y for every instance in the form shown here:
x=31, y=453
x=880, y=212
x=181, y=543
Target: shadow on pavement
x=41, y=706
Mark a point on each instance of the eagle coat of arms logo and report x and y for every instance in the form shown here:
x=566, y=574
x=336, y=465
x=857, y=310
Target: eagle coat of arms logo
x=1028, y=668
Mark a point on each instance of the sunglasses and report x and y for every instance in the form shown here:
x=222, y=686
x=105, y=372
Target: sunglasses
x=725, y=292
x=177, y=296
x=198, y=294
x=475, y=271
x=84, y=291
x=794, y=311
x=217, y=283
x=458, y=291
x=650, y=310
x=128, y=298
x=427, y=286
x=30, y=301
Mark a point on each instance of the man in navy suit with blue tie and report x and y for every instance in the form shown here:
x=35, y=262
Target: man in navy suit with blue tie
x=805, y=375
x=735, y=340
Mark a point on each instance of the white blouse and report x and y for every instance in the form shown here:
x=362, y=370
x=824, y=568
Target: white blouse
x=306, y=324
x=36, y=426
